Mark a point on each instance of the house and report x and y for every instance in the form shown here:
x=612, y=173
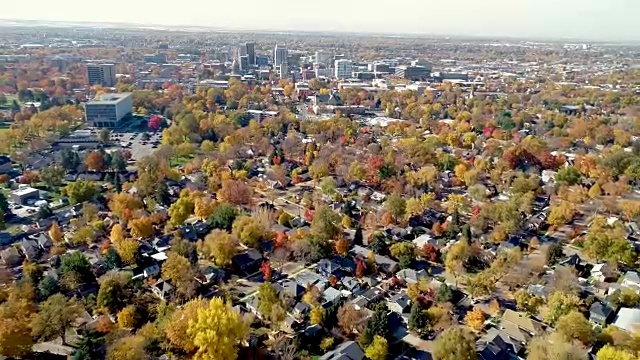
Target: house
x=331, y=295
x=161, y=243
x=600, y=272
x=301, y=309
x=628, y=319
x=384, y=263
x=5, y=164
x=291, y=324
x=631, y=280
x=292, y=289
x=600, y=313
x=11, y=257
x=400, y=304
x=411, y=276
x=573, y=261
x=247, y=262
x=351, y=284
x=44, y=241
x=348, y=350
x=495, y=345
x=328, y=267
x=163, y=289
x=23, y=195
x=307, y=278
x=5, y=238
x=210, y=275
x=30, y=249
x=519, y=327
x=188, y=232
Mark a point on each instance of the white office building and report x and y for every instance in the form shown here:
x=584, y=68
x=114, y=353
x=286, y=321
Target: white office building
x=343, y=69
x=101, y=74
x=108, y=110
x=280, y=54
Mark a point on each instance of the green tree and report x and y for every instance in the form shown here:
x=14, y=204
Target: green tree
x=77, y=266
x=396, y=206
x=455, y=344
x=527, y=302
x=325, y=223
x=112, y=259
x=568, y=175
x=52, y=176
x=267, y=298
x=249, y=230
x=80, y=191
x=54, y=317
x=379, y=322
x=113, y=293
x=444, y=293
x=104, y=136
x=418, y=319
x=378, y=349
x=47, y=287
x=223, y=216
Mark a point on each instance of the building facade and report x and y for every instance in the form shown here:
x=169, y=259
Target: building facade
x=415, y=73
x=249, y=49
x=108, y=110
x=343, y=69
x=101, y=74
x=280, y=54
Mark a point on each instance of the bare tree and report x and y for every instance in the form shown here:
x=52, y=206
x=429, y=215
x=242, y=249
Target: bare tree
x=284, y=348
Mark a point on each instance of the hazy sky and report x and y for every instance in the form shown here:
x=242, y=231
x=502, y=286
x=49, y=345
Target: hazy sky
x=585, y=19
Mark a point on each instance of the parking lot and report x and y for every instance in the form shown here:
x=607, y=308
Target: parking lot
x=138, y=143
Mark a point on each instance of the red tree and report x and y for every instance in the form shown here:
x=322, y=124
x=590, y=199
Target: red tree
x=360, y=267
x=155, y=122
x=430, y=252
x=333, y=280
x=265, y=268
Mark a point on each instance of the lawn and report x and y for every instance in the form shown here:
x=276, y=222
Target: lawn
x=179, y=161
x=4, y=126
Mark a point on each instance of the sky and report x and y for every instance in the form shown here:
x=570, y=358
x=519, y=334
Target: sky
x=600, y=20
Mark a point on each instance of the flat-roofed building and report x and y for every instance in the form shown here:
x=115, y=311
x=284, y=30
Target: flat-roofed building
x=101, y=74
x=108, y=110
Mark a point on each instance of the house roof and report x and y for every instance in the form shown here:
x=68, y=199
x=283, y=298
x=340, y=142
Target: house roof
x=631, y=276
x=402, y=300
x=330, y=294
x=496, y=345
x=512, y=321
x=600, y=309
x=411, y=274
x=349, y=350
x=628, y=319
x=381, y=261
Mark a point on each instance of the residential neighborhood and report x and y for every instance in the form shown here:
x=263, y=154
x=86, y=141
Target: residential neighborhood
x=204, y=195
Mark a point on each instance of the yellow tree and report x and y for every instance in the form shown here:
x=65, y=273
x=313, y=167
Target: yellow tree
x=217, y=331
x=475, y=319
x=124, y=204
x=456, y=202
x=316, y=315
x=178, y=323
x=141, y=227
x=128, y=250
x=204, y=207
x=117, y=234
x=55, y=233
x=128, y=317
x=127, y=348
x=219, y=246
x=609, y=352
x=378, y=348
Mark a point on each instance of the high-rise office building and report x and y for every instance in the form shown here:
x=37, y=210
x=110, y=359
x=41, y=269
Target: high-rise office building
x=343, y=69
x=280, y=54
x=244, y=63
x=101, y=74
x=250, y=51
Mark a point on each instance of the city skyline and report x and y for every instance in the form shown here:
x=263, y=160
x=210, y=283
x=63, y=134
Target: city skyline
x=593, y=20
